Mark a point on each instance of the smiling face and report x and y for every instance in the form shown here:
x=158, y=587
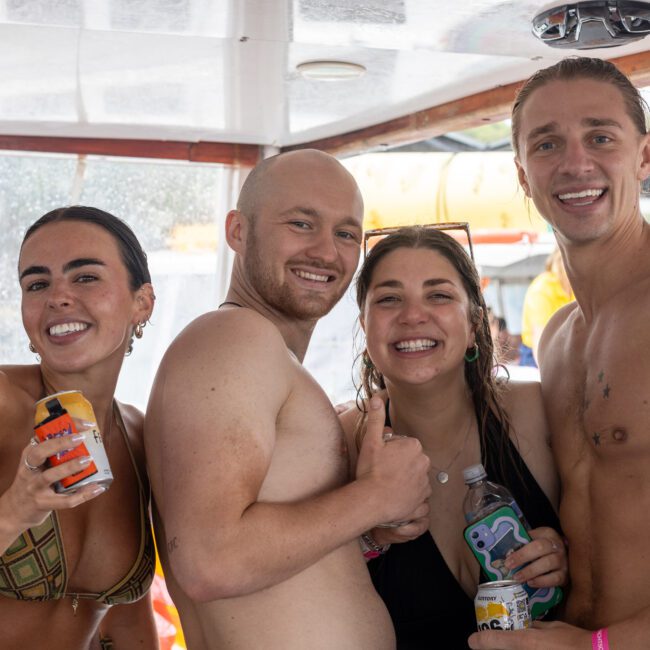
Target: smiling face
x=302, y=247
x=77, y=306
x=581, y=158
x=416, y=317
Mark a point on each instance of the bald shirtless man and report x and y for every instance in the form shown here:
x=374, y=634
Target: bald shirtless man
x=581, y=152
x=257, y=519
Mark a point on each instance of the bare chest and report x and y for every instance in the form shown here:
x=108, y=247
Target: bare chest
x=310, y=455
x=596, y=388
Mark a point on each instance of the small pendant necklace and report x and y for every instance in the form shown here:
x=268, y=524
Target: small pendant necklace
x=442, y=474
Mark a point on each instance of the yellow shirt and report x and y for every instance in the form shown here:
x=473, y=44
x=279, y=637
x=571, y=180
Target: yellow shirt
x=544, y=297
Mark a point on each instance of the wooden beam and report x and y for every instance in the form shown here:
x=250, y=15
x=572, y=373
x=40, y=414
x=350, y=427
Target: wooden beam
x=473, y=110
x=243, y=155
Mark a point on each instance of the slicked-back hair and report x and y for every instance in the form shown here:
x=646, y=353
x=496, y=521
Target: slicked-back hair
x=581, y=67
x=133, y=256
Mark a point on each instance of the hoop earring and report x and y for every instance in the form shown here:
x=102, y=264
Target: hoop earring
x=473, y=356
x=32, y=349
x=137, y=330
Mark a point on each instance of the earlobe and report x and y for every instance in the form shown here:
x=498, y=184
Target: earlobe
x=523, y=180
x=235, y=230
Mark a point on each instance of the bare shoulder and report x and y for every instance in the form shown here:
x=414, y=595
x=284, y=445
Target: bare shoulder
x=556, y=328
x=223, y=337
x=218, y=367
x=522, y=400
x=18, y=392
x=351, y=420
x=133, y=419
x=523, y=403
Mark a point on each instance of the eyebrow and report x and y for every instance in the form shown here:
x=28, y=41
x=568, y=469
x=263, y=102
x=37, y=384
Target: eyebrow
x=69, y=266
x=396, y=284
x=587, y=122
x=312, y=212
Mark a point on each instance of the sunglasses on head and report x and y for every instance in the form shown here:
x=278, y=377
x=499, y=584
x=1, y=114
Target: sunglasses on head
x=380, y=233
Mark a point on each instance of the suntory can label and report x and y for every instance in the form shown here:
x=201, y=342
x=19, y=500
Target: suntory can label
x=501, y=605
x=67, y=413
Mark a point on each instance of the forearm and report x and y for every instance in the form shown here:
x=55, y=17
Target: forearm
x=10, y=529
x=269, y=543
x=632, y=633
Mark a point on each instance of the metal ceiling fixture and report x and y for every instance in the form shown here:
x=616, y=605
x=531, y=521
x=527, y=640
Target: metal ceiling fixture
x=592, y=24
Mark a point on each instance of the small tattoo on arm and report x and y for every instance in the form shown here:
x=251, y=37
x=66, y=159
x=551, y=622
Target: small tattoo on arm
x=596, y=438
x=172, y=544
x=606, y=391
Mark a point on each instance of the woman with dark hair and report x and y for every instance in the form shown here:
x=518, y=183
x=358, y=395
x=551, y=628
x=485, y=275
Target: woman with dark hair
x=429, y=354
x=73, y=565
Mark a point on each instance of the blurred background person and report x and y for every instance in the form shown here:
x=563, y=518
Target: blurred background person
x=505, y=348
x=549, y=291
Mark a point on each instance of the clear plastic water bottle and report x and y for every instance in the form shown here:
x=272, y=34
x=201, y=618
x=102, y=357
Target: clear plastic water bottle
x=492, y=534
x=484, y=497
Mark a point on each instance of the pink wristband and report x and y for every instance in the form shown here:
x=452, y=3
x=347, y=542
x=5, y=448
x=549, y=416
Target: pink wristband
x=599, y=640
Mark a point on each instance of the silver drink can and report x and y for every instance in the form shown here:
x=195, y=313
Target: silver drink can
x=501, y=605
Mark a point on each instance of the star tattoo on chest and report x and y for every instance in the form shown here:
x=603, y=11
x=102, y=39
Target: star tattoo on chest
x=596, y=438
x=606, y=391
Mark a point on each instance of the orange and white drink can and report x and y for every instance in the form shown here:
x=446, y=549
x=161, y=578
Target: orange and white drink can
x=67, y=413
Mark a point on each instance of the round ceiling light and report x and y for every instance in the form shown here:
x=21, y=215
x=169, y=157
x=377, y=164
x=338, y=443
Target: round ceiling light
x=330, y=70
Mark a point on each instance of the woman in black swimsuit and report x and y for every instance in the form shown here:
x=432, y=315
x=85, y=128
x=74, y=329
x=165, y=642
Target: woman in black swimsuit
x=430, y=355
x=67, y=558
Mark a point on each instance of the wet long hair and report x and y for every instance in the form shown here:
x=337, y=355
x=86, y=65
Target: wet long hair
x=131, y=252
x=480, y=375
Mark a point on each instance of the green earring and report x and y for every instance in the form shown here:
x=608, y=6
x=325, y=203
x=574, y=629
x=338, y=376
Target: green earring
x=474, y=355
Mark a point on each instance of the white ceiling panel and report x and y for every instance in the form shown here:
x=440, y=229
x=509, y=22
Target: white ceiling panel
x=225, y=70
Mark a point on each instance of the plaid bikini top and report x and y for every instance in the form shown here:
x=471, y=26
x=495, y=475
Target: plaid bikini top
x=34, y=566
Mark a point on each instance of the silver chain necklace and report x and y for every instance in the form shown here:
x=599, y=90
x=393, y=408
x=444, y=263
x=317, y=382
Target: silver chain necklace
x=442, y=475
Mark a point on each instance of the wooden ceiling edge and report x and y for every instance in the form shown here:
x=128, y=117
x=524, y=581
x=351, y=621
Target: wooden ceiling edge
x=466, y=112
x=473, y=110
x=225, y=153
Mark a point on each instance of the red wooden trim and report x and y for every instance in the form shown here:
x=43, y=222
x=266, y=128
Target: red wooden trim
x=245, y=155
x=473, y=110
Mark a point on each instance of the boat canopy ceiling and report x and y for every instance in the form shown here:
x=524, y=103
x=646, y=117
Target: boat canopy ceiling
x=231, y=71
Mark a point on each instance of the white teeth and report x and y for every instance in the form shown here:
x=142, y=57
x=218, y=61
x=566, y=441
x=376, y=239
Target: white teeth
x=415, y=345
x=580, y=195
x=312, y=276
x=66, y=328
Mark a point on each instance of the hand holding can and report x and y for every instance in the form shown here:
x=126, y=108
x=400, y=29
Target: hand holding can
x=31, y=498
x=60, y=415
